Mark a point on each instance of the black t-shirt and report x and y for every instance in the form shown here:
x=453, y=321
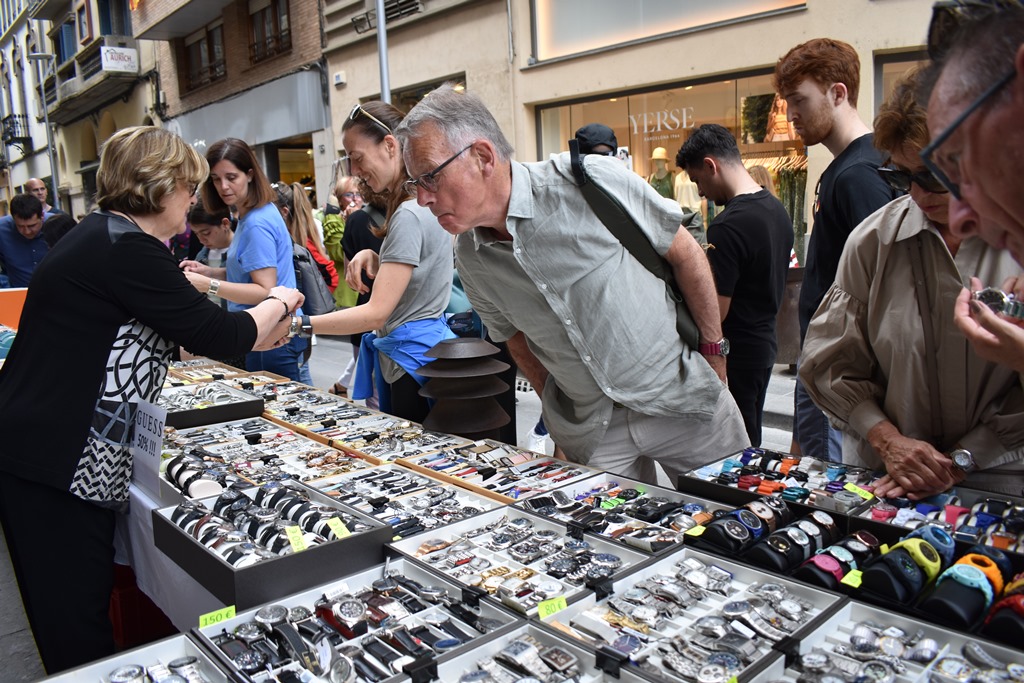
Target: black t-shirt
x=849, y=191
x=749, y=244
x=95, y=336
x=357, y=237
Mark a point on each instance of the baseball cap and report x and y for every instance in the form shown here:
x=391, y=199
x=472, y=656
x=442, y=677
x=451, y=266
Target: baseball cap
x=593, y=134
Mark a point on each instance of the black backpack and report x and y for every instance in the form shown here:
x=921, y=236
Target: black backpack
x=310, y=282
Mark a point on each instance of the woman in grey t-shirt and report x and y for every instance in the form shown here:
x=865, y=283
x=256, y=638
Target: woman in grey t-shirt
x=412, y=275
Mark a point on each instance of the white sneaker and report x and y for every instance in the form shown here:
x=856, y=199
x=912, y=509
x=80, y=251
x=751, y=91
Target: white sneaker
x=538, y=443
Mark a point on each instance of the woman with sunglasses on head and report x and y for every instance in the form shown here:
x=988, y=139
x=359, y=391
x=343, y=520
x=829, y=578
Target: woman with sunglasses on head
x=883, y=357
x=412, y=274
x=260, y=256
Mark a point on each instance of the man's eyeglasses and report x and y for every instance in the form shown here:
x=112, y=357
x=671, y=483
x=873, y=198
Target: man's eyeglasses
x=351, y=195
x=358, y=109
x=428, y=181
x=900, y=180
x=952, y=181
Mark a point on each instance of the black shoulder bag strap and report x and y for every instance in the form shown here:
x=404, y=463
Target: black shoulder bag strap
x=915, y=245
x=624, y=228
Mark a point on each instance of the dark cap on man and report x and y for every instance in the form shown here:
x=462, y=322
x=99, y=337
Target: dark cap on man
x=595, y=134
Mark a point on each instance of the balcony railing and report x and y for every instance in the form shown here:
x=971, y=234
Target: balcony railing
x=16, y=131
x=207, y=74
x=269, y=47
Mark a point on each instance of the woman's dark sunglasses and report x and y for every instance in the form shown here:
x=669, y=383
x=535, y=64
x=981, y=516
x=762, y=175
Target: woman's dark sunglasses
x=901, y=180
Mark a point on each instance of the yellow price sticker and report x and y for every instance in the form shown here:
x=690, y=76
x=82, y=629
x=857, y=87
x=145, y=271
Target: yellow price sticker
x=695, y=531
x=853, y=488
x=216, y=617
x=853, y=578
x=733, y=680
x=553, y=606
x=338, y=527
x=296, y=538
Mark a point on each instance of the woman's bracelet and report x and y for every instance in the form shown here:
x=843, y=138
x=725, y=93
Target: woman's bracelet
x=287, y=311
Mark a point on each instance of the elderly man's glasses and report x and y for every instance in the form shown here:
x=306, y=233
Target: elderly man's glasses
x=358, y=109
x=952, y=181
x=899, y=179
x=428, y=181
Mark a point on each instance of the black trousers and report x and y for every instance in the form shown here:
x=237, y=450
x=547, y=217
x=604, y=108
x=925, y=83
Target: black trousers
x=406, y=401
x=749, y=388
x=62, y=549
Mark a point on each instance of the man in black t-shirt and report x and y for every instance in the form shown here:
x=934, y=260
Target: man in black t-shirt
x=749, y=244
x=820, y=81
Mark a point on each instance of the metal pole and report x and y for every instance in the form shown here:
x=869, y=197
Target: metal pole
x=382, y=53
x=54, y=174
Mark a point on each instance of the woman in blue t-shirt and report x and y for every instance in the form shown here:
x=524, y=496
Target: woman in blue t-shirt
x=260, y=256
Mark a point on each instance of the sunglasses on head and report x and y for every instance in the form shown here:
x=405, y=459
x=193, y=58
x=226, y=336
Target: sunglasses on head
x=901, y=180
x=358, y=109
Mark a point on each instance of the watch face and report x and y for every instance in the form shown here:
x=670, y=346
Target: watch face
x=841, y=554
x=271, y=615
x=736, y=530
x=749, y=519
x=962, y=459
x=823, y=518
x=814, y=662
x=780, y=544
x=993, y=298
x=350, y=609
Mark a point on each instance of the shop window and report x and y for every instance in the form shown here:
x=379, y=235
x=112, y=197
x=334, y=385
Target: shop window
x=889, y=68
x=270, y=29
x=204, y=51
x=644, y=122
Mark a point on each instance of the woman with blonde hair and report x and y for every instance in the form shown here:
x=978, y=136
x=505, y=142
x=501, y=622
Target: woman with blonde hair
x=763, y=177
x=412, y=275
x=106, y=307
x=297, y=213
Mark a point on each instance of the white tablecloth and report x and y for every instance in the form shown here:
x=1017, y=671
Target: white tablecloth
x=180, y=596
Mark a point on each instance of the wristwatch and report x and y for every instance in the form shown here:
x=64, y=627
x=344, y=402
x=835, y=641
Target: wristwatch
x=938, y=539
x=300, y=327
x=523, y=657
x=1001, y=302
x=970, y=576
x=214, y=287
x=963, y=460
x=718, y=348
x=827, y=564
x=987, y=567
x=922, y=553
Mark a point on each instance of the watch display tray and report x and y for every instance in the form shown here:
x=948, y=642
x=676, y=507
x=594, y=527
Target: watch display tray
x=400, y=497
x=821, y=484
x=161, y=652
x=499, y=473
x=257, y=450
x=275, y=577
x=496, y=618
x=836, y=631
x=253, y=380
x=645, y=653
x=592, y=506
x=587, y=667
x=207, y=403
x=966, y=528
x=203, y=370
x=484, y=563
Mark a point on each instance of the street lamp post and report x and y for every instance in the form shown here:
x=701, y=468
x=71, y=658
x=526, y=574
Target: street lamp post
x=49, y=59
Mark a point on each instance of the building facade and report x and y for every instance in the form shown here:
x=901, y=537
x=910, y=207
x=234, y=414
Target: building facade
x=249, y=69
x=652, y=71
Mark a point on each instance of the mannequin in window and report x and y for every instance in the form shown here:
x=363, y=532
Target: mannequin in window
x=662, y=179
x=686, y=193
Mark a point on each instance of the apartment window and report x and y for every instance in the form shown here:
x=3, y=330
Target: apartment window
x=205, y=54
x=83, y=17
x=270, y=29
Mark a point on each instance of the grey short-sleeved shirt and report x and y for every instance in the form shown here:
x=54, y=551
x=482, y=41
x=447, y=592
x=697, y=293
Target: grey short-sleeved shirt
x=415, y=238
x=601, y=323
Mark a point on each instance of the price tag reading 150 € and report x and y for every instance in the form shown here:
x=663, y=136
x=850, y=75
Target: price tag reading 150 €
x=216, y=617
x=296, y=538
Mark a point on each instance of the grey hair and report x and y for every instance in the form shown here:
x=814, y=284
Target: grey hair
x=981, y=51
x=461, y=117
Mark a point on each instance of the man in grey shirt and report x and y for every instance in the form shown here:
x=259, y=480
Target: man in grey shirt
x=593, y=329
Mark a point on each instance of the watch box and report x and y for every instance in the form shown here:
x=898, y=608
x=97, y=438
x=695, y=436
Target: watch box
x=278, y=576
x=428, y=619
x=674, y=612
x=179, y=650
x=580, y=664
x=644, y=517
x=494, y=549
x=409, y=501
x=207, y=403
x=843, y=644
x=203, y=370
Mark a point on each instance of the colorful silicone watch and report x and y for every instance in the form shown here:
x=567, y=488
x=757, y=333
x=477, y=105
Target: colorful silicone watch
x=970, y=576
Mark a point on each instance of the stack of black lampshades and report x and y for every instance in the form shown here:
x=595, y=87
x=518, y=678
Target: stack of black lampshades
x=463, y=383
